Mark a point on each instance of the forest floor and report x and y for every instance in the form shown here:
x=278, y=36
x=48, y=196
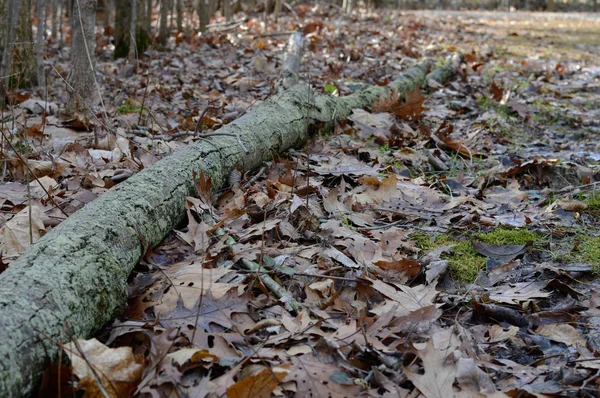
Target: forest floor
x=447, y=242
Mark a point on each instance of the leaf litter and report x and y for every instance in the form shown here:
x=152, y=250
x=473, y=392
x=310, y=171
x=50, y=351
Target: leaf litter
x=364, y=230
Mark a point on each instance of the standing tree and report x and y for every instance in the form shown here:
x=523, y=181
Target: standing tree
x=203, y=14
x=83, y=66
x=125, y=31
x=163, y=30
x=40, y=44
x=18, y=64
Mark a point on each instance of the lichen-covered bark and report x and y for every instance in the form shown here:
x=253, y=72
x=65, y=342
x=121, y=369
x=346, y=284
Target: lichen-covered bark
x=74, y=279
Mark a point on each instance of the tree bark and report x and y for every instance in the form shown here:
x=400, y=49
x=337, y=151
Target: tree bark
x=125, y=27
x=75, y=277
x=163, y=30
x=203, y=15
x=40, y=46
x=82, y=76
x=18, y=63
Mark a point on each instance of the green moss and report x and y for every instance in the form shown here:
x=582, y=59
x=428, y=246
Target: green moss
x=128, y=107
x=506, y=236
x=422, y=241
x=587, y=250
x=593, y=201
x=487, y=103
x=464, y=262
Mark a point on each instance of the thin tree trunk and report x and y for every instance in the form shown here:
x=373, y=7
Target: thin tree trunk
x=143, y=35
x=60, y=21
x=149, y=18
x=82, y=77
x=54, y=17
x=163, y=32
x=179, y=11
x=122, y=28
x=277, y=10
x=4, y=43
x=23, y=72
x=40, y=45
x=203, y=15
x=227, y=10
x=132, y=29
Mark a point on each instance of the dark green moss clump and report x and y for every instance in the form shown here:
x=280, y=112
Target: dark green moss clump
x=506, y=236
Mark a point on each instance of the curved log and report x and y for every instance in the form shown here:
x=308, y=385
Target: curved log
x=74, y=279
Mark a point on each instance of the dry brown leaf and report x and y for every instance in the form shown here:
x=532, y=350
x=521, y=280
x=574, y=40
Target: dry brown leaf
x=117, y=369
x=438, y=377
x=259, y=384
x=561, y=332
x=16, y=235
x=572, y=205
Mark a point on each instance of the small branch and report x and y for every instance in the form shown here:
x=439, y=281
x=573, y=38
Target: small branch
x=34, y=176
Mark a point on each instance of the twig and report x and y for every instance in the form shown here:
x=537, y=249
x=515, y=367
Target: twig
x=381, y=226
x=269, y=282
x=29, y=170
x=291, y=32
x=254, y=178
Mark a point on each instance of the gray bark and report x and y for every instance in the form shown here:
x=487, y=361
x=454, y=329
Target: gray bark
x=3, y=39
x=203, y=16
x=40, y=46
x=54, y=18
x=75, y=277
x=8, y=39
x=179, y=11
x=132, y=29
x=24, y=65
x=82, y=76
x=163, y=31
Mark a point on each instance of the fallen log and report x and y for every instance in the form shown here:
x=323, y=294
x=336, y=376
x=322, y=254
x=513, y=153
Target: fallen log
x=74, y=279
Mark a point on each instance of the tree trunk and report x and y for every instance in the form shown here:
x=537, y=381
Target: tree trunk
x=24, y=65
x=40, y=46
x=149, y=18
x=277, y=10
x=122, y=25
x=179, y=11
x=163, y=32
x=75, y=277
x=54, y=18
x=227, y=11
x=126, y=27
x=60, y=20
x=142, y=28
x=82, y=76
x=132, y=28
x=4, y=43
x=18, y=64
x=203, y=15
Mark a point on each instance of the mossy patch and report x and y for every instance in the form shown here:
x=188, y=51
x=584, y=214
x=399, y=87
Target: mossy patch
x=464, y=262
x=507, y=236
x=586, y=250
x=128, y=107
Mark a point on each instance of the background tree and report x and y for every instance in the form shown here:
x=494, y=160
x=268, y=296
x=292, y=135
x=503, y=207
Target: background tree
x=124, y=28
x=82, y=76
x=163, y=30
x=40, y=45
x=18, y=64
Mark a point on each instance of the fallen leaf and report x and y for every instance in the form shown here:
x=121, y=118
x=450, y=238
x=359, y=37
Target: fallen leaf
x=117, y=369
